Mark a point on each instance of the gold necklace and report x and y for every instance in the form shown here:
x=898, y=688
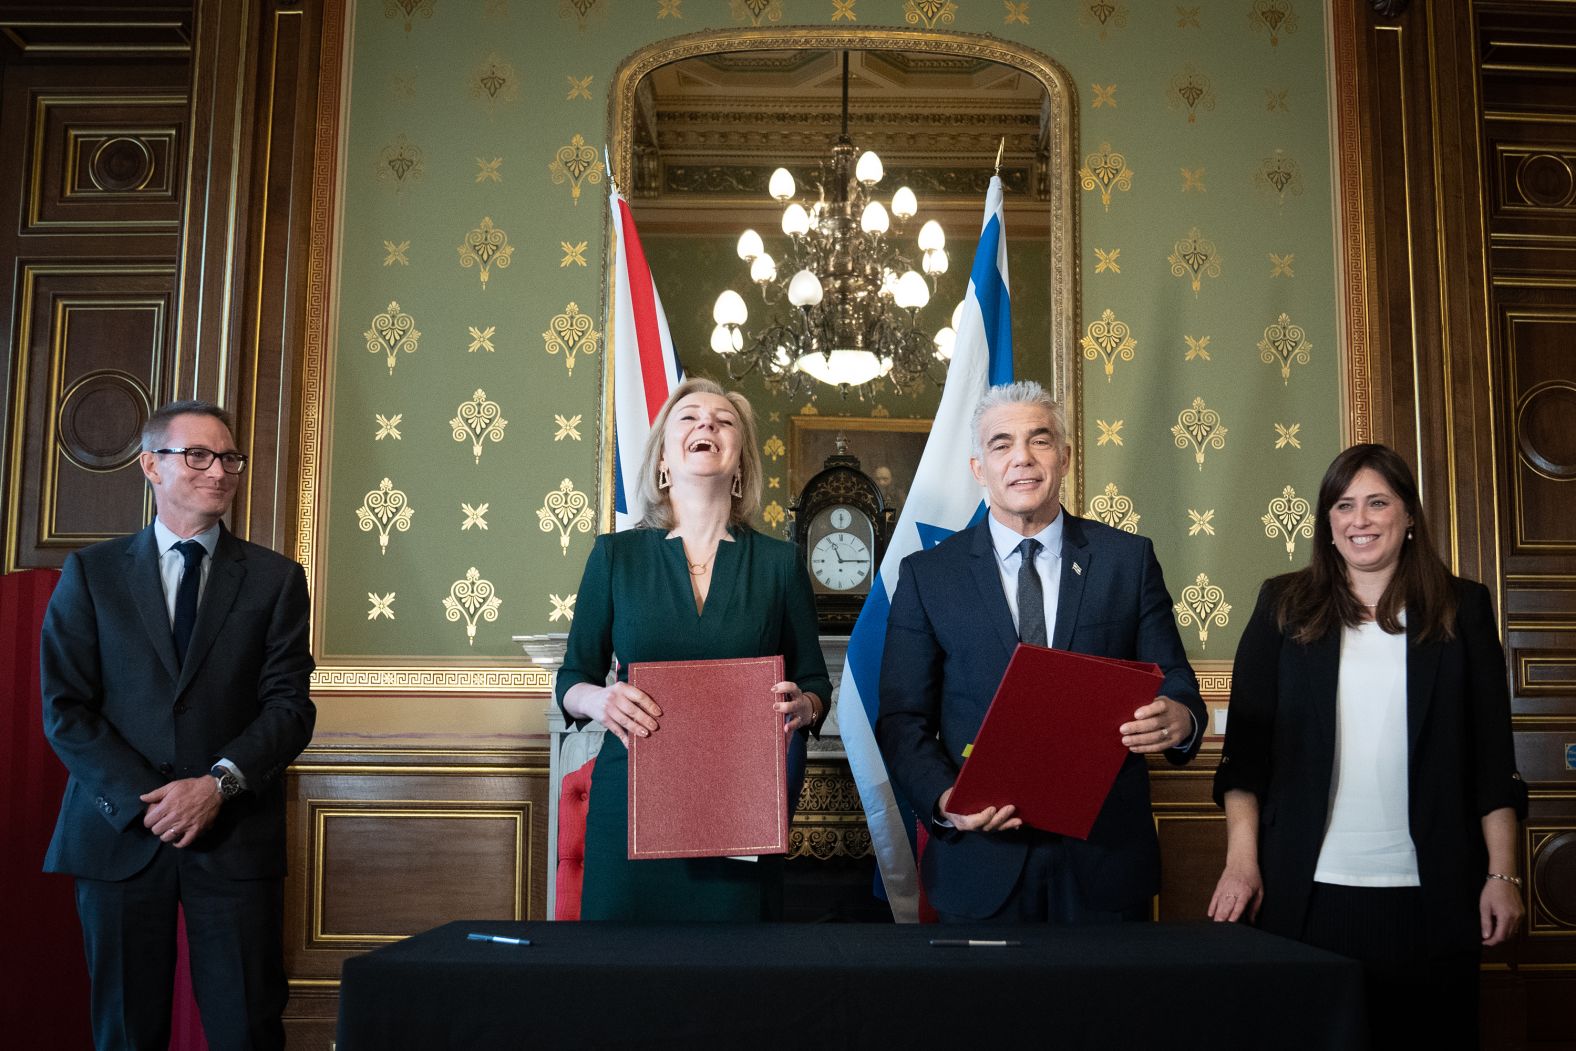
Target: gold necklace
x=698, y=569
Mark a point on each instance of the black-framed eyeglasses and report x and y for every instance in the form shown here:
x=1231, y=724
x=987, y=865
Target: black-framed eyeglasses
x=200, y=459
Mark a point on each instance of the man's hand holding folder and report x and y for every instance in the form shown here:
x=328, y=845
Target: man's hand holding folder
x=1053, y=740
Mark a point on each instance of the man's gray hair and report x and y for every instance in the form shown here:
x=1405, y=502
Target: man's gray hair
x=1023, y=392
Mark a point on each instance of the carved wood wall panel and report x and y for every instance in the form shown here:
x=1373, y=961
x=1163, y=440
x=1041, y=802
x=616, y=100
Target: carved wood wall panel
x=88, y=299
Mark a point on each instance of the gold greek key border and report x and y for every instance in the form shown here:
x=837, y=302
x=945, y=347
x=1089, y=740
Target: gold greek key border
x=381, y=678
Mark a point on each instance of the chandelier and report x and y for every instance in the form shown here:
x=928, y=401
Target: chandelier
x=842, y=297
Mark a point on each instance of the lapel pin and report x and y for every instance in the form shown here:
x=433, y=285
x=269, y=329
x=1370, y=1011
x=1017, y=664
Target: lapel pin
x=1077, y=570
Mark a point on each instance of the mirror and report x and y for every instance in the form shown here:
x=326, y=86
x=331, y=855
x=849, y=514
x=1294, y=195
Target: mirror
x=699, y=125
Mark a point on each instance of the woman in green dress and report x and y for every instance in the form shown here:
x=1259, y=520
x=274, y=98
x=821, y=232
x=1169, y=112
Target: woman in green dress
x=692, y=582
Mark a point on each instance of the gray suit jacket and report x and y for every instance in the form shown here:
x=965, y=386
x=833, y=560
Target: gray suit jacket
x=125, y=718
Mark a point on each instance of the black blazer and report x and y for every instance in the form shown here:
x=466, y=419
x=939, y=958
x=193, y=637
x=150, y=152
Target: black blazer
x=1280, y=745
x=949, y=637
x=125, y=717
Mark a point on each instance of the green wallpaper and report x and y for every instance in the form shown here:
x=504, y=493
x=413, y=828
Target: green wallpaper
x=455, y=116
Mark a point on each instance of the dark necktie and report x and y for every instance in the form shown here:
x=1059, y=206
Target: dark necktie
x=1031, y=596
x=186, y=595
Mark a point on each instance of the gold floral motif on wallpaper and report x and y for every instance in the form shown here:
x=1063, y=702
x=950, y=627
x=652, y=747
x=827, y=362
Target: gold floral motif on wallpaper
x=929, y=13
x=568, y=427
x=408, y=9
x=1191, y=89
x=401, y=162
x=481, y=338
x=484, y=247
x=478, y=421
x=1187, y=17
x=1193, y=179
x=1285, y=343
x=1107, y=261
x=1194, y=257
x=1204, y=604
x=1279, y=174
x=1103, y=15
x=492, y=81
x=1115, y=510
x=1196, y=348
x=495, y=10
x=571, y=333
x=1016, y=12
x=773, y=448
x=392, y=331
x=1109, y=339
x=578, y=164
x=388, y=426
x=474, y=516
x=579, y=88
x=573, y=254
x=1103, y=96
x=1289, y=516
x=385, y=509
x=774, y=515
x=1287, y=435
x=1281, y=265
x=583, y=11
x=382, y=605
x=1274, y=17
x=1275, y=100
x=489, y=170
x=473, y=599
x=1199, y=427
x=675, y=9
x=567, y=510
x=1105, y=170
x=563, y=608
x=756, y=11
x=396, y=253
x=1201, y=522
x=1110, y=432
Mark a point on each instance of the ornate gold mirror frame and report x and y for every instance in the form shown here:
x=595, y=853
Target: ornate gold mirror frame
x=1061, y=175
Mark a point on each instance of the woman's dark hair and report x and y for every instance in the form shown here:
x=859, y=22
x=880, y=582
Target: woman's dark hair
x=1319, y=598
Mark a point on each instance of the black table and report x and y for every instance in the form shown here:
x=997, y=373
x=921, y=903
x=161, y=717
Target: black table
x=870, y=986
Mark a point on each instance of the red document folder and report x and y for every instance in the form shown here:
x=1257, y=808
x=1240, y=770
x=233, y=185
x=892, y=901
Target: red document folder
x=1049, y=743
x=712, y=781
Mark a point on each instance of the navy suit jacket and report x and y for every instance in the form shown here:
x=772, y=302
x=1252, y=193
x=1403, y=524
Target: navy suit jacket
x=125, y=717
x=949, y=638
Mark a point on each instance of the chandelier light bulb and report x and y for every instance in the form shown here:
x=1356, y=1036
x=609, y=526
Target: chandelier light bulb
x=931, y=236
x=905, y=205
x=935, y=261
x=750, y=245
x=944, y=340
x=722, y=340
x=781, y=185
x=889, y=282
x=804, y=290
x=875, y=219
x=868, y=169
x=796, y=221
x=730, y=309
x=763, y=269
x=912, y=291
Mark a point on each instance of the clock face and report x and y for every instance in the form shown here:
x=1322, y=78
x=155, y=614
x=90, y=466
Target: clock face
x=840, y=517
x=841, y=561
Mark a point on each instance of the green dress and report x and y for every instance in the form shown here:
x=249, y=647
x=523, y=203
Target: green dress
x=635, y=602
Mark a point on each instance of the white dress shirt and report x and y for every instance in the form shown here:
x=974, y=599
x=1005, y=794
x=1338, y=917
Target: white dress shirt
x=1009, y=560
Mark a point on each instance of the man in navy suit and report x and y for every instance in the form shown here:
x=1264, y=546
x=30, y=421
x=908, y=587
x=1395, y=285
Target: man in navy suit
x=1028, y=571
x=175, y=674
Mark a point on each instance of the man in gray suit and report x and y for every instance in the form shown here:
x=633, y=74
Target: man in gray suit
x=175, y=673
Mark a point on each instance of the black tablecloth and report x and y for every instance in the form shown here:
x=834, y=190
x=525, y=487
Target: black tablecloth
x=872, y=986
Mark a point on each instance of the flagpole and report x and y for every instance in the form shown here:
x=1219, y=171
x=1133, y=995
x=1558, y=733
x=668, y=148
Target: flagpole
x=609, y=516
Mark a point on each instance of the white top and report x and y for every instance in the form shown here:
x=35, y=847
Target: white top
x=1368, y=842
x=1009, y=560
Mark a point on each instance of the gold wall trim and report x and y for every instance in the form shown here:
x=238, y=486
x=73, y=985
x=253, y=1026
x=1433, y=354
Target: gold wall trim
x=440, y=809
x=41, y=107
x=1064, y=229
x=1352, y=269
x=353, y=678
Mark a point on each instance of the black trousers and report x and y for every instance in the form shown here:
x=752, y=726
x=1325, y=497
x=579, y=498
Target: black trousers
x=234, y=930
x=1047, y=892
x=1418, y=994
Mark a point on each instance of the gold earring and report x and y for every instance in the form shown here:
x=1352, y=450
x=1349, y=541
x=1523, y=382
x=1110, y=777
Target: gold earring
x=738, y=484
x=663, y=481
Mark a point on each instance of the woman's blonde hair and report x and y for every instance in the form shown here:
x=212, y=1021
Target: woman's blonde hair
x=659, y=507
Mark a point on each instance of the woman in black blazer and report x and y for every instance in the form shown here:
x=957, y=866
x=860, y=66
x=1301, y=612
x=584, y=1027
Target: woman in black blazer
x=1368, y=775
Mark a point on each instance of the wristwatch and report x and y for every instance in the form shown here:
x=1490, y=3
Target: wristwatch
x=229, y=784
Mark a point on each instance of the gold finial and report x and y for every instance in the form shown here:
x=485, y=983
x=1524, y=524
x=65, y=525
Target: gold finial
x=999, y=151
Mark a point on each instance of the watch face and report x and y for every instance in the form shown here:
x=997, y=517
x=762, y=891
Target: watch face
x=841, y=561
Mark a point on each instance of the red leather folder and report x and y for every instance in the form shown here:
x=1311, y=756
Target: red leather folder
x=712, y=781
x=1049, y=743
